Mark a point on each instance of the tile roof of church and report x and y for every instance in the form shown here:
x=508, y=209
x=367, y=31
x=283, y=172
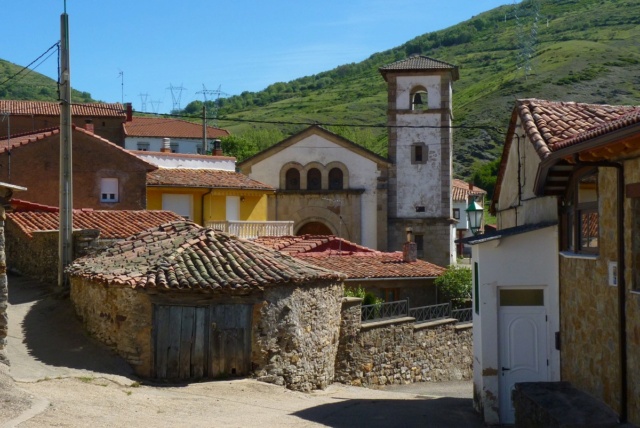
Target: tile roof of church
x=419, y=63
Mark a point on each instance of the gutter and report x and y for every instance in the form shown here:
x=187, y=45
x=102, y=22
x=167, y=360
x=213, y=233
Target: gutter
x=202, y=204
x=396, y=278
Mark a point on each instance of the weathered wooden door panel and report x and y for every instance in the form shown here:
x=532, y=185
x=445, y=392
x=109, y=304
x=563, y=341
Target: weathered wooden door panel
x=230, y=340
x=192, y=342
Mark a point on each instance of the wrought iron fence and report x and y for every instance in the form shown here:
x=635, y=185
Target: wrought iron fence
x=462, y=315
x=385, y=310
x=431, y=313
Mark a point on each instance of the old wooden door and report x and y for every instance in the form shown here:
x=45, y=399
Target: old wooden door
x=194, y=342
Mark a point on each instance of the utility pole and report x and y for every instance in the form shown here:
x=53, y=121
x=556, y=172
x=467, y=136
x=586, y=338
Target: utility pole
x=65, y=249
x=204, y=93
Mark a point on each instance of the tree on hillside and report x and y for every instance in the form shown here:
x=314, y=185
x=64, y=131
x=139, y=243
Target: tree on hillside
x=485, y=174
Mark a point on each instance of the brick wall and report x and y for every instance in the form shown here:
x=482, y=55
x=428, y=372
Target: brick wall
x=109, y=128
x=402, y=352
x=92, y=161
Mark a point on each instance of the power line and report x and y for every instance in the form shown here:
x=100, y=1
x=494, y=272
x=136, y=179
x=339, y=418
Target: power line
x=55, y=45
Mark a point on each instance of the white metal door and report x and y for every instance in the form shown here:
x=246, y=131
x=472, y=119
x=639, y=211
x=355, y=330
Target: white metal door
x=233, y=208
x=181, y=204
x=523, y=352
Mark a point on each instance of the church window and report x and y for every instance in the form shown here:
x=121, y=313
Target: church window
x=314, y=179
x=419, y=99
x=336, y=179
x=292, y=179
x=418, y=153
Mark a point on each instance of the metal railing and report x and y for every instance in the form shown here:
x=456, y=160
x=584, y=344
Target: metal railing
x=253, y=229
x=387, y=310
x=431, y=313
x=462, y=315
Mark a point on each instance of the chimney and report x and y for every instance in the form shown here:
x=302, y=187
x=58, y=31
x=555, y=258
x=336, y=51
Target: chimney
x=166, y=145
x=217, y=148
x=129, y=111
x=409, y=248
x=88, y=125
x=471, y=186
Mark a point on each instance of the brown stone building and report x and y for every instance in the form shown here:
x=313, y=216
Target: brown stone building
x=31, y=116
x=183, y=302
x=105, y=176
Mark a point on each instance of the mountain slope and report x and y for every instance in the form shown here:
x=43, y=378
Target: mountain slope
x=577, y=50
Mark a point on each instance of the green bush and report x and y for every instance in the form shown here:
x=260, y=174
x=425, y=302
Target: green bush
x=455, y=285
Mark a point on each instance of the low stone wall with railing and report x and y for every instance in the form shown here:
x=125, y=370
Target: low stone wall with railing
x=383, y=344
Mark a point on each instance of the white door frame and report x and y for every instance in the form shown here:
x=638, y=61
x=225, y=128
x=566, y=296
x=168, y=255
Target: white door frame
x=535, y=367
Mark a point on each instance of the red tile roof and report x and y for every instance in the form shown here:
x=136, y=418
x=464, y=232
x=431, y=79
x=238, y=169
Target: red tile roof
x=30, y=137
x=419, y=63
x=356, y=261
x=552, y=125
x=112, y=224
x=169, y=128
x=183, y=255
x=183, y=177
x=52, y=108
x=460, y=190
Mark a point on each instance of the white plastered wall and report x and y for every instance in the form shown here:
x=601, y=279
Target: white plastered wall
x=185, y=145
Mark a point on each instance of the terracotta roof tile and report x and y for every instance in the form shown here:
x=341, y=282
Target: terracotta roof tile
x=169, y=128
x=460, y=190
x=419, y=63
x=112, y=224
x=552, y=125
x=356, y=261
x=203, y=178
x=183, y=255
x=52, y=108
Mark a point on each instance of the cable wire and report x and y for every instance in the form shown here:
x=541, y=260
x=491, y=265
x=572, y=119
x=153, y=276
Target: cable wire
x=55, y=45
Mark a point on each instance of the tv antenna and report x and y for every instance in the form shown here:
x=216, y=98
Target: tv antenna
x=176, y=95
x=121, y=76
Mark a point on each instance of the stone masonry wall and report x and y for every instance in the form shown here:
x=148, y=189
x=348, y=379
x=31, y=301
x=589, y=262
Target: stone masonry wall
x=118, y=317
x=296, y=335
x=402, y=352
x=4, y=293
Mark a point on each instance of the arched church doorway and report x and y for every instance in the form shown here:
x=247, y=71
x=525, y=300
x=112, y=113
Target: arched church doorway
x=314, y=228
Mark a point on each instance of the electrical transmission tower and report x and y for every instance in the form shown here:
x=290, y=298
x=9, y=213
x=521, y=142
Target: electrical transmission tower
x=526, y=41
x=176, y=95
x=155, y=105
x=143, y=101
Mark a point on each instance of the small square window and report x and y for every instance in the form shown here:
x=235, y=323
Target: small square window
x=419, y=239
x=142, y=146
x=109, y=190
x=420, y=209
x=418, y=153
x=174, y=148
x=456, y=213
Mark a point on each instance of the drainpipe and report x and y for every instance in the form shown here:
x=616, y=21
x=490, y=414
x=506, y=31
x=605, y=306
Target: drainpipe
x=622, y=308
x=202, y=205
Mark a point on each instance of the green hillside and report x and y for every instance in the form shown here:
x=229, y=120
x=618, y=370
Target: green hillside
x=573, y=50
x=16, y=84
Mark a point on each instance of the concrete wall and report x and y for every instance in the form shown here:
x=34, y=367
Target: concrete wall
x=185, y=145
x=400, y=352
x=92, y=161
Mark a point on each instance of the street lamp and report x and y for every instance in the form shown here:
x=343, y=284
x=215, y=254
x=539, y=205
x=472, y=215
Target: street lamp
x=475, y=212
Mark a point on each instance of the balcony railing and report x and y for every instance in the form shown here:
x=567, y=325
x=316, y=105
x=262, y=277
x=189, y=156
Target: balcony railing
x=253, y=229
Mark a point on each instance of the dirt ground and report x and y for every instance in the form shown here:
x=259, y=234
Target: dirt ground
x=60, y=377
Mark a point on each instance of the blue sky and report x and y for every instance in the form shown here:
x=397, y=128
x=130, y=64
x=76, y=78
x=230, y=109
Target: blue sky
x=234, y=45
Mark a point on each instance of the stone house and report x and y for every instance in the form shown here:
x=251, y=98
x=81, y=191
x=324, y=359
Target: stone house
x=32, y=234
x=555, y=287
x=329, y=185
x=182, y=302
x=326, y=184
x=105, y=176
x=27, y=117
x=205, y=189
x=389, y=276
x=148, y=134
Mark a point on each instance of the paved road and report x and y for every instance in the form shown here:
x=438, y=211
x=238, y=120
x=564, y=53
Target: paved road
x=65, y=378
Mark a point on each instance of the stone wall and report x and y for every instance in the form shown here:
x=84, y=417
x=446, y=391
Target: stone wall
x=296, y=335
x=401, y=352
x=4, y=293
x=119, y=317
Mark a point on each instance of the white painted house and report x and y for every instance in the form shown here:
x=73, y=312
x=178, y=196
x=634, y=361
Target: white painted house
x=326, y=184
x=148, y=134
